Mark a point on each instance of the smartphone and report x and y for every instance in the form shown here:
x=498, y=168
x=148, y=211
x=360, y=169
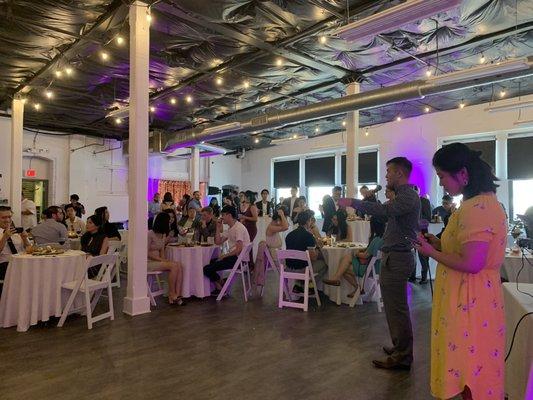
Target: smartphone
x=19, y=230
x=412, y=241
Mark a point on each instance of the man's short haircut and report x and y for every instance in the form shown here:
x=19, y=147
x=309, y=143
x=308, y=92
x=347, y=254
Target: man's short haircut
x=69, y=206
x=403, y=163
x=337, y=189
x=265, y=190
x=229, y=210
x=5, y=208
x=294, y=187
x=51, y=211
x=74, y=197
x=207, y=210
x=303, y=218
x=447, y=198
x=196, y=191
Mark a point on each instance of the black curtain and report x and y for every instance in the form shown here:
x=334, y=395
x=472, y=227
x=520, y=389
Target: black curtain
x=320, y=171
x=368, y=168
x=520, y=158
x=286, y=174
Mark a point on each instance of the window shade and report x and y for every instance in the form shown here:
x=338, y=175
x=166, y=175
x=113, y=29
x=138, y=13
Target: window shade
x=320, y=171
x=286, y=174
x=488, y=151
x=519, y=154
x=368, y=168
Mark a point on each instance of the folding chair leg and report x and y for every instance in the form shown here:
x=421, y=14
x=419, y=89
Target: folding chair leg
x=150, y=294
x=282, y=289
x=317, y=297
x=244, y=285
x=67, y=308
x=226, y=285
x=306, y=290
x=88, y=309
x=338, y=295
x=110, y=302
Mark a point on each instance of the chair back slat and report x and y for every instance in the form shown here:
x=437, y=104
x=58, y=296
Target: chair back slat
x=284, y=255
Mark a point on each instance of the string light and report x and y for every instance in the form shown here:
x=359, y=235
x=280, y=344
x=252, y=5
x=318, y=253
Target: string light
x=322, y=39
x=120, y=40
x=398, y=118
x=462, y=105
x=366, y=132
x=256, y=140
x=68, y=71
x=37, y=106
x=152, y=109
x=118, y=121
x=173, y=101
x=503, y=93
x=149, y=15
x=428, y=72
x=188, y=99
x=343, y=123
x=216, y=62
x=59, y=73
x=49, y=94
x=317, y=129
x=246, y=84
x=104, y=56
x=279, y=62
x=295, y=136
x=426, y=109
x=219, y=81
x=482, y=59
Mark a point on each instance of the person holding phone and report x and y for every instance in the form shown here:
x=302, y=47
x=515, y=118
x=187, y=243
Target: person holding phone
x=12, y=240
x=398, y=260
x=51, y=230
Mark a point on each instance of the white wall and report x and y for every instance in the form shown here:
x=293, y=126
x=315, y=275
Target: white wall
x=225, y=170
x=416, y=138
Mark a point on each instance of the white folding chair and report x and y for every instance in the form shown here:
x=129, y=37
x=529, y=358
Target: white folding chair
x=372, y=289
x=115, y=247
x=153, y=277
x=306, y=275
x=270, y=265
x=240, y=267
x=87, y=286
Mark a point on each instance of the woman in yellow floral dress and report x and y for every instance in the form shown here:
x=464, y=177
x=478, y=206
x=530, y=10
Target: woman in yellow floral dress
x=467, y=324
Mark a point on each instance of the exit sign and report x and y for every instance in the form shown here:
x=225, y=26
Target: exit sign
x=30, y=173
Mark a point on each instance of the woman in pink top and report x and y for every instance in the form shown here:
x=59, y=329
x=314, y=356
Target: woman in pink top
x=157, y=239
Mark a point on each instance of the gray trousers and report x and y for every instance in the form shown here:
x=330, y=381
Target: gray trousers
x=396, y=268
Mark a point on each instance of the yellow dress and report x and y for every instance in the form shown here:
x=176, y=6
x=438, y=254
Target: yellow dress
x=467, y=322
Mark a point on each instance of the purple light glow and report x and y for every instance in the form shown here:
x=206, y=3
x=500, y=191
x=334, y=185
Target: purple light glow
x=153, y=187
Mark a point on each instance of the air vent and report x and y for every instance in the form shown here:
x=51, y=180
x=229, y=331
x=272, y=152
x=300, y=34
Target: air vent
x=261, y=120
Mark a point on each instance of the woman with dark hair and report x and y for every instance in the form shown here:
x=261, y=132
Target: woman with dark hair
x=228, y=201
x=94, y=240
x=108, y=228
x=468, y=324
x=168, y=202
x=213, y=203
x=340, y=227
x=249, y=213
x=299, y=206
x=360, y=260
x=173, y=224
x=157, y=240
x=189, y=223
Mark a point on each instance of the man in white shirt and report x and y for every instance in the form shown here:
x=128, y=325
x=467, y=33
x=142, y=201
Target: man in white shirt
x=29, y=212
x=51, y=230
x=74, y=223
x=237, y=237
x=290, y=203
x=10, y=241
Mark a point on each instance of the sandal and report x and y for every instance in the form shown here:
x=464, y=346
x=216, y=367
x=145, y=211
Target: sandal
x=332, y=282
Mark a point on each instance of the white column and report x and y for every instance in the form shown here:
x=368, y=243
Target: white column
x=301, y=184
x=136, y=301
x=194, y=169
x=17, y=126
x=338, y=168
x=501, y=170
x=352, y=146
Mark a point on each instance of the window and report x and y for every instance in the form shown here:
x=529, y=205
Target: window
x=521, y=196
x=320, y=171
x=519, y=152
x=487, y=146
x=368, y=168
x=286, y=174
x=315, y=194
x=284, y=193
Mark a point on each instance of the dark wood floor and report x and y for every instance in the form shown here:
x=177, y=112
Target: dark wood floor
x=205, y=350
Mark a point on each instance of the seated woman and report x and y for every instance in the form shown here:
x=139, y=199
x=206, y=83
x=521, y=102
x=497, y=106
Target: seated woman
x=109, y=229
x=157, y=239
x=272, y=242
x=94, y=240
x=299, y=206
x=360, y=260
x=188, y=223
x=339, y=227
x=173, y=225
x=213, y=203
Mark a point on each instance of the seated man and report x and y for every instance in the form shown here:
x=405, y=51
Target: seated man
x=208, y=225
x=302, y=239
x=237, y=237
x=74, y=223
x=445, y=210
x=51, y=230
x=10, y=241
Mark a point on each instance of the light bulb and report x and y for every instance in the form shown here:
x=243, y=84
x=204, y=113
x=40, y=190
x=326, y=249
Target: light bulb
x=343, y=123
x=246, y=84
x=173, y=101
x=104, y=55
x=118, y=121
x=59, y=73
x=462, y=105
x=503, y=93
x=49, y=94
x=295, y=136
x=322, y=39
x=482, y=59
x=149, y=17
x=256, y=140
x=366, y=132
x=426, y=109
x=317, y=129
x=428, y=72
x=188, y=99
x=279, y=62
x=68, y=71
x=219, y=81
x=152, y=109
x=215, y=62
x=120, y=40
x=398, y=119
x=37, y=106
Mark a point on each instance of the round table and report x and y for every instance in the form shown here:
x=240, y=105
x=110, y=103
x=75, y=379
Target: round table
x=74, y=243
x=360, y=230
x=513, y=264
x=332, y=257
x=193, y=260
x=32, y=287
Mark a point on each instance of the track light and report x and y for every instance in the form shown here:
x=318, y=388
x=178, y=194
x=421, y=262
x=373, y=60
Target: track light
x=246, y=84
x=279, y=61
x=322, y=39
x=104, y=56
x=482, y=59
x=343, y=123
x=398, y=118
x=219, y=81
x=59, y=73
x=173, y=101
x=120, y=40
x=503, y=93
x=426, y=109
x=462, y=105
x=118, y=121
x=428, y=72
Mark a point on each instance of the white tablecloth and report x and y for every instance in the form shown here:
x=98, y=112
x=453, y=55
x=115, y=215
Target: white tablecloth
x=360, y=230
x=519, y=366
x=512, y=265
x=74, y=244
x=32, y=288
x=332, y=257
x=435, y=228
x=193, y=260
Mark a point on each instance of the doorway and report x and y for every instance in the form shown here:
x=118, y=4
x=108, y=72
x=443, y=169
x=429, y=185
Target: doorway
x=37, y=191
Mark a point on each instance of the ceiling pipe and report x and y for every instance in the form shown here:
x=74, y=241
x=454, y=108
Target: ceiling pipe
x=367, y=100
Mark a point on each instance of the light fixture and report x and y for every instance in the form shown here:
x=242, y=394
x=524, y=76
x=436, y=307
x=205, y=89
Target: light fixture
x=120, y=40
x=152, y=109
x=510, y=107
x=343, y=123
x=317, y=129
x=428, y=72
x=118, y=121
x=37, y=106
x=482, y=59
x=188, y=99
x=49, y=94
x=293, y=138
x=68, y=71
x=462, y=105
x=394, y=17
x=212, y=148
x=322, y=39
x=482, y=71
x=367, y=132
x=279, y=61
x=216, y=62
x=149, y=16
x=246, y=84
x=398, y=118
x=256, y=140
x=503, y=93
x=219, y=81
x=426, y=109
x=173, y=101
x=59, y=73
x=104, y=56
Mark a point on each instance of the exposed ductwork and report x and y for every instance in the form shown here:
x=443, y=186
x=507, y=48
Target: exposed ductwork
x=366, y=100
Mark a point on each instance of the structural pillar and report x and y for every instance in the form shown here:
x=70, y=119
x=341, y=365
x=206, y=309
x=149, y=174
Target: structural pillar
x=137, y=301
x=17, y=126
x=194, y=169
x=352, y=146
x=501, y=170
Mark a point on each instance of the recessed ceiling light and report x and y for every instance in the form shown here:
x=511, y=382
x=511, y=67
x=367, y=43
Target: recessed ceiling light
x=256, y=140
x=279, y=61
x=426, y=109
x=59, y=73
x=503, y=93
x=104, y=55
x=322, y=39
x=37, y=106
x=343, y=123
x=295, y=136
x=49, y=94
x=152, y=109
x=246, y=84
x=428, y=72
x=118, y=121
x=173, y=101
x=366, y=132
x=219, y=81
x=120, y=40
x=68, y=71
x=317, y=129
